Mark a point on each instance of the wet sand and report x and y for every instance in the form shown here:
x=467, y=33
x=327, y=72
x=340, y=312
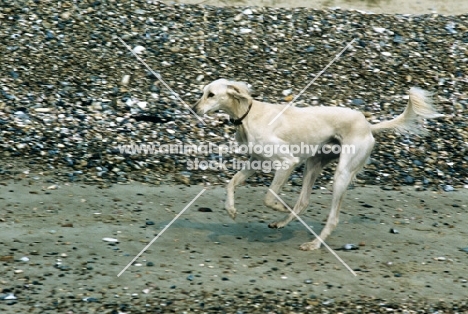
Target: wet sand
x=61, y=228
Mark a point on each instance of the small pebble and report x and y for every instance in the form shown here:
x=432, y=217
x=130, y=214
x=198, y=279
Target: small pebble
x=205, y=210
x=112, y=240
x=379, y=29
x=125, y=80
x=9, y=296
x=348, y=247
x=328, y=302
x=448, y=188
x=138, y=49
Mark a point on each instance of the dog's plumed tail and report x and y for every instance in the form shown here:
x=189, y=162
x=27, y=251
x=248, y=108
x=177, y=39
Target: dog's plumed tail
x=419, y=106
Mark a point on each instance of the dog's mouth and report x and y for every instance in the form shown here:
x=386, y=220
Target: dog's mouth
x=196, y=109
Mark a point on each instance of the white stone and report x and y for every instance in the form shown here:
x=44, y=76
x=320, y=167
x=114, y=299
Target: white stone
x=112, y=240
x=238, y=17
x=287, y=92
x=142, y=104
x=125, y=79
x=379, y=29
x=138, y=49
x=43, y=110
x=10, y=296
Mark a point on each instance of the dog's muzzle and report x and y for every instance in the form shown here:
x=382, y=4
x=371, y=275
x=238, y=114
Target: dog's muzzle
x=194, y=107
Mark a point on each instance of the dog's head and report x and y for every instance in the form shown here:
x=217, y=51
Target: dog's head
x=222, y=94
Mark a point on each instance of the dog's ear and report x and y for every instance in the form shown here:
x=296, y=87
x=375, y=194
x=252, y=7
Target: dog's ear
x=237, y=93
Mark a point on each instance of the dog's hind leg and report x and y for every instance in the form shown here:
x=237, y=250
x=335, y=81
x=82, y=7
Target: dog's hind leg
x=238, y=178
x=348, y=166
x=313, y=167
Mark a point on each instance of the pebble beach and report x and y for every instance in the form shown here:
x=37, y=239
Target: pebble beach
x=73, y=95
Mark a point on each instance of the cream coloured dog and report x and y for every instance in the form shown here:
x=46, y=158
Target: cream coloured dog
x=321, y=127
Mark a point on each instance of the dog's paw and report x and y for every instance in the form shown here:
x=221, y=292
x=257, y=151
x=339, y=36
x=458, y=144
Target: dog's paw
x=232, y=212
x=276, y=225
x=277, y=206
x=281, y=208
x=310, y=246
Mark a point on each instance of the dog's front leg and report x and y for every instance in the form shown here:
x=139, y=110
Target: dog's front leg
x=280, y=179
x=238, y=178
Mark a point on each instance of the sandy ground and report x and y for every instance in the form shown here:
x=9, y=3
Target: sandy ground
x=449, y=7
x=61, y=231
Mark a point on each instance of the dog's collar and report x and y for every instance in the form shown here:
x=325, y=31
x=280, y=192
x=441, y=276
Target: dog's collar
x=239, y=121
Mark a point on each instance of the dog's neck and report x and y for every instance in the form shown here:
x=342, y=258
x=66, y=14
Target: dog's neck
x=241, y=114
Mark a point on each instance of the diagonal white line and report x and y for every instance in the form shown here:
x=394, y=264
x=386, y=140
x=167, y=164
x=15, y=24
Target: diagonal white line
x=312, y=231
x=312, y=82
x=158, y=76
x=159, y=234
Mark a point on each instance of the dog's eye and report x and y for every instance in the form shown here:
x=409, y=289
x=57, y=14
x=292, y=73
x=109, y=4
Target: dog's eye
x=210, y=95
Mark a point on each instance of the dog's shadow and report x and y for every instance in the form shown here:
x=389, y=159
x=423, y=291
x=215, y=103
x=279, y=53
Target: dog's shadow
x=252, y=231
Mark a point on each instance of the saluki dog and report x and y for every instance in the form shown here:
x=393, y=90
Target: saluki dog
x=316, y=126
